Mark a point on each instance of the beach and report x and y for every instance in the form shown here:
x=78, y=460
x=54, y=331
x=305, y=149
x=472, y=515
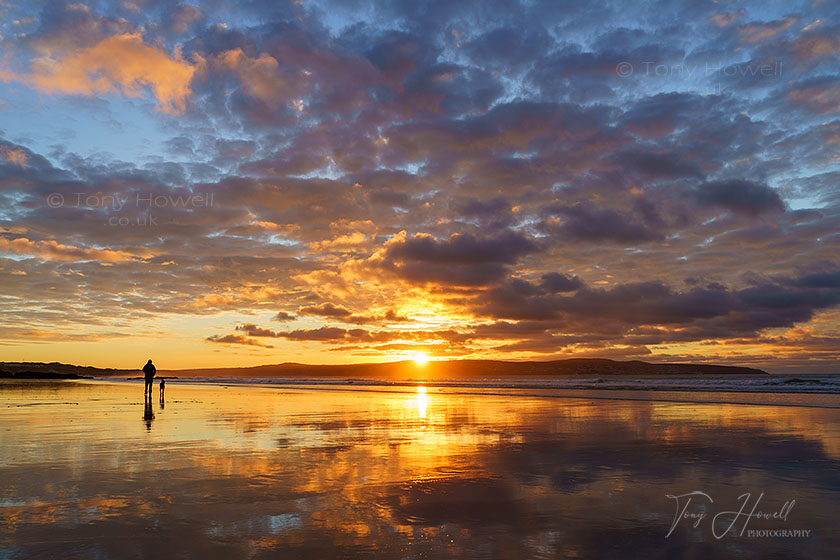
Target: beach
x=296, y=470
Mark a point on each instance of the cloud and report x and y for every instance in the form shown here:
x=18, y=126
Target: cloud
x=321, y=334
x=15, y=156
x=554, y=282
x=586, y=222
x=346, y=241
x=507, y=48
x=462, y=259
x=325, y=310
x=818, y=95
x=408, y=170
x=724, y=19
x=740, y=196
x=53, y=250
x=622, y=319
x=712, y=311
x=282, y=317
x=43, y=336
x=505, y=248
x=121, y=63
x=390, y=316
x=182, y=16
x=261, y=77
x=382, y=339
x=251, y=329
x=761, y=31
x=816, y=45
x=236, y=339
x=493, y=214
x=663, y=165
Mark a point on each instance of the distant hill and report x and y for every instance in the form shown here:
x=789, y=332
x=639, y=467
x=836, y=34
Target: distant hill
x=42, y=375
x=29, y=369
x=409, y=369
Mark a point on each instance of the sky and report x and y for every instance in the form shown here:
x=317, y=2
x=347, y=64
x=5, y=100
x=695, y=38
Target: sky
x=233, y=183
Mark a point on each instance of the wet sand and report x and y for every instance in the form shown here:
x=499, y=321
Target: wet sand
x=87, y=471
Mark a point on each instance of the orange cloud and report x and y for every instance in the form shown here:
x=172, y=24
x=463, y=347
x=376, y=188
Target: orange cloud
x=236, y=339
x=340, y=242
x=814, y=46
x=722, y=20
x=819, y=98
x=42, y=335
x=13, y=155
x=183, y=17
x=54, y=251
x=261, y=77
x=121, y=63
x=757, y=32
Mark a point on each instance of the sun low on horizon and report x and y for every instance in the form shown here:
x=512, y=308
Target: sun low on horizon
x=420, y=358
x=235, y=184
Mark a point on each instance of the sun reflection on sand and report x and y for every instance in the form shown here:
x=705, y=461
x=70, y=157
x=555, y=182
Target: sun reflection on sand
x=337, y=472
x=422, y=401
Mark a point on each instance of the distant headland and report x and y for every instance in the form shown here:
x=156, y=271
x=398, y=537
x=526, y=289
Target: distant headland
x=443, y=369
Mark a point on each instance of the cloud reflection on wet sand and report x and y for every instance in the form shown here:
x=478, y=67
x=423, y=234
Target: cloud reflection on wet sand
x=248, y=472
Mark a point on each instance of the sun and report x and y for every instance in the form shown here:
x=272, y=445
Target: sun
x=420, y=358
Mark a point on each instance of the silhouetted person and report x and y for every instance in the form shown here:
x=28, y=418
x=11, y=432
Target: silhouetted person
x=162, y=389
x=149, y=370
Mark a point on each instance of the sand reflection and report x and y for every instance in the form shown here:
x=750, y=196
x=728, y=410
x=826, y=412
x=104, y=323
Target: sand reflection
x=422, y=401
x=420, y=472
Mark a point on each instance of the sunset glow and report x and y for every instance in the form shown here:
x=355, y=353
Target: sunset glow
x=323, y=182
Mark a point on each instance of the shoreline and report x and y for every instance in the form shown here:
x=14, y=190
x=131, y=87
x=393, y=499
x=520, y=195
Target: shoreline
x=782, y=384
x=792, y=397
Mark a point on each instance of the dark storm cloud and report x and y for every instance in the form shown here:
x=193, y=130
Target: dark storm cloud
x=449, y=89
x=508, y=48
x=818, y=280
x=587, y=222
x=712, y=311
x=740, y=196
x=554, y=282
x=667, y=165
x=650, y=303
x=492, y=214
x=518, y=300
x=579, y=75
x=463, y=259
x=659, y=114
x=504, y=248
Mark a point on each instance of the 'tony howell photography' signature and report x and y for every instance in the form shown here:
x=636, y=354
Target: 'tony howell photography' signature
x=731, y=520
